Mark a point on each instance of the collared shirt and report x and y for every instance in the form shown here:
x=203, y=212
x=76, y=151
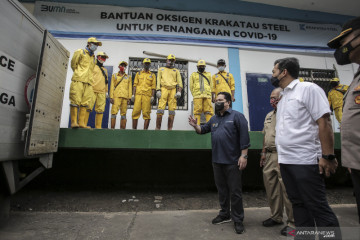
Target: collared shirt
x=82, y=63
x=269, y=130
x=145, y=82
x=221, y=85
x=199, y=86
x=99, y=84
x=297, y=133
x=168, y=78
x=229, y=135
x=350, y=128
x=122, y=89
x=336, y=95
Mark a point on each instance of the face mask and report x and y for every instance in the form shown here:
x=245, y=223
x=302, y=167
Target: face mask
x=275, y=81
x=342, y=53
x=170, y=64
x=274, y=102
x=333, y=84
x=101, y=60
x=221, y=68
x=122, y=69
x=93, y=47
x=201, y=69
x=147, y=66
x=219, y=106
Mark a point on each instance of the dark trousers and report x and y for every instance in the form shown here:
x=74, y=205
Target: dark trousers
x=306, y=190
x=355, y=176
x=228, y=183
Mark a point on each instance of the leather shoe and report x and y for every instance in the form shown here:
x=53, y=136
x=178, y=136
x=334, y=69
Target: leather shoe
x=270, y=223
x=286, y=230
x=239, y=227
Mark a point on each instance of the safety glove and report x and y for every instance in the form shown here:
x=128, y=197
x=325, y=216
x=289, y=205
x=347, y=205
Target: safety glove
x=133, y=98
x=178, y=95
x=158, y=94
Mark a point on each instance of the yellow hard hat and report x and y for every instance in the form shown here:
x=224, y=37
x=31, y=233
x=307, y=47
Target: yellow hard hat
x=123, y=62
x=335, y=80
x=94, y=40
x=201, y=63
x=147, y=60
x=102, y=54
x=171, y=56
x=301, y=79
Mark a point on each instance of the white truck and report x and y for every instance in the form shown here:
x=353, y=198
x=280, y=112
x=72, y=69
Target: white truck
x=33, y=67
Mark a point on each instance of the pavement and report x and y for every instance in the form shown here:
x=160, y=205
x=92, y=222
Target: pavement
x=155, y=225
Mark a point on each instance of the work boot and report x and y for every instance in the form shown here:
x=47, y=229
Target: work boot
x=198, y=118
x=135, y=122
x=86, y=120
x=170, y=122
x=123, y=123
x=158, y=121
x=98, y=120
x=74, y=117
x=146, y=124
x=83, y=117
x=113, y=121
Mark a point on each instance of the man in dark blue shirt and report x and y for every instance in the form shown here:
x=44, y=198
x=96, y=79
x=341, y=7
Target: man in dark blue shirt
x=230, y=142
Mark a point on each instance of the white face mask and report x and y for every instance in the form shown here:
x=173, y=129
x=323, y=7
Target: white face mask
x=221, y=68
x=101, y=61
x=93, y=47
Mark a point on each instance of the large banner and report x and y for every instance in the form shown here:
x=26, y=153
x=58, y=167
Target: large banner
x=197, y=28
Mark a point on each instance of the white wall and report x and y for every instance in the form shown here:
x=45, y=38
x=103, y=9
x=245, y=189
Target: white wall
x=118, y=51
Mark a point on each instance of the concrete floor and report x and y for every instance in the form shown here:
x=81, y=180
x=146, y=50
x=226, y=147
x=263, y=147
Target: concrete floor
x=157, y=225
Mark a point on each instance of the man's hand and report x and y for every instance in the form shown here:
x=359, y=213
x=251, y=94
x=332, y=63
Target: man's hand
x=128, y=101
x=327, y=166
x=242, y=163
x=233, y=99
x=107, y=95
x=262, y=160
x=192, y=121
x=133, y=98
x=158, y=94
x=178, y=95
x=111, y=100
x=152, y=99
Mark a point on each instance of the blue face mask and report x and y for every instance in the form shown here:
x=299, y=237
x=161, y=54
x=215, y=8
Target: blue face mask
x=93, y=47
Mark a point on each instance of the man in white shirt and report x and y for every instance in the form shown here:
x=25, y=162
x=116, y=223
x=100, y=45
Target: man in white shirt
x=305, y=145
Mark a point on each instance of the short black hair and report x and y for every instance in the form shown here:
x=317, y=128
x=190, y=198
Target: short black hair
x=290, y=64
x=226, y=95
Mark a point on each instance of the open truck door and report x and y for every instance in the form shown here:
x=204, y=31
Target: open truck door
x=27, y=131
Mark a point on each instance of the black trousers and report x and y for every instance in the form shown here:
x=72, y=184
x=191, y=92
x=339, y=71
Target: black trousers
x=306, y=190
x=228, y=183
x=355, y=176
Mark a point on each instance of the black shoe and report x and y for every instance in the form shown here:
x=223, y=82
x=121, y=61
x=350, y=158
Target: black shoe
x=270, y=223
x=286, y=230
x=220, y=219
x=239, y=227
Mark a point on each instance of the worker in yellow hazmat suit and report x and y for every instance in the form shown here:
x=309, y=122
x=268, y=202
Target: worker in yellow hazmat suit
x=100, y=87
x=143, y=94
x=223, y=81
x=200, y=87
x=120, y=94
x=81, y=92
x=335, y=97
x=168, y=90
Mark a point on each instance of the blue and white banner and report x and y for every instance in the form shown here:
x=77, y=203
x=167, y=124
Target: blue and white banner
x=65, y=20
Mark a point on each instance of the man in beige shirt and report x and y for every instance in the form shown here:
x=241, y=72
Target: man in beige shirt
x=274, y=185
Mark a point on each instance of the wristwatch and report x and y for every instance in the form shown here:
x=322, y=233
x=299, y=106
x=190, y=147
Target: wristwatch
x=329, y=157
x=245, y=156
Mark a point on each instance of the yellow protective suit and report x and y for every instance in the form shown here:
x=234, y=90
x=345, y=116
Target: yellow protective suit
x=121, y=93
x=100, y=88
x=222, y=85
x=201, y=90
x=81, y=92
x=167, y=80
x=335, y=97
x=145, y=83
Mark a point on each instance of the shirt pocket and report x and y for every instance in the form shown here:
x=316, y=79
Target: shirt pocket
x=292, y=109
x=354, y=98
